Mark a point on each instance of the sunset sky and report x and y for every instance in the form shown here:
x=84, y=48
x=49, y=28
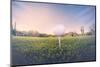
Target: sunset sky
x=44, y=17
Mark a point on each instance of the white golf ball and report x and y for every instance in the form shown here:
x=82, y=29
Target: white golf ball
x=59, y=29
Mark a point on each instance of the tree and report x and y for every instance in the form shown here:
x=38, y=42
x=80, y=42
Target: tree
x=13, y=30
x=33, y=33
x=92, y=29
x=82, y=30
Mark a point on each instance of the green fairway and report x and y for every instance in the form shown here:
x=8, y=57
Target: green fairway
x=41, y=50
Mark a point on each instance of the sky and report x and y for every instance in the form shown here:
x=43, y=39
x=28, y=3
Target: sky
x=44, y=17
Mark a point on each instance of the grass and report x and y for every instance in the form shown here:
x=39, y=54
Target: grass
x=42, y=50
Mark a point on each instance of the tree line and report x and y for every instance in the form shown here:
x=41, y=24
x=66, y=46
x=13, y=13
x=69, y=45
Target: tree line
x=15, y=32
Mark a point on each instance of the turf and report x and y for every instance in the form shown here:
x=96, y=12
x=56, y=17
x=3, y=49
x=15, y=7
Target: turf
x=45, y=50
